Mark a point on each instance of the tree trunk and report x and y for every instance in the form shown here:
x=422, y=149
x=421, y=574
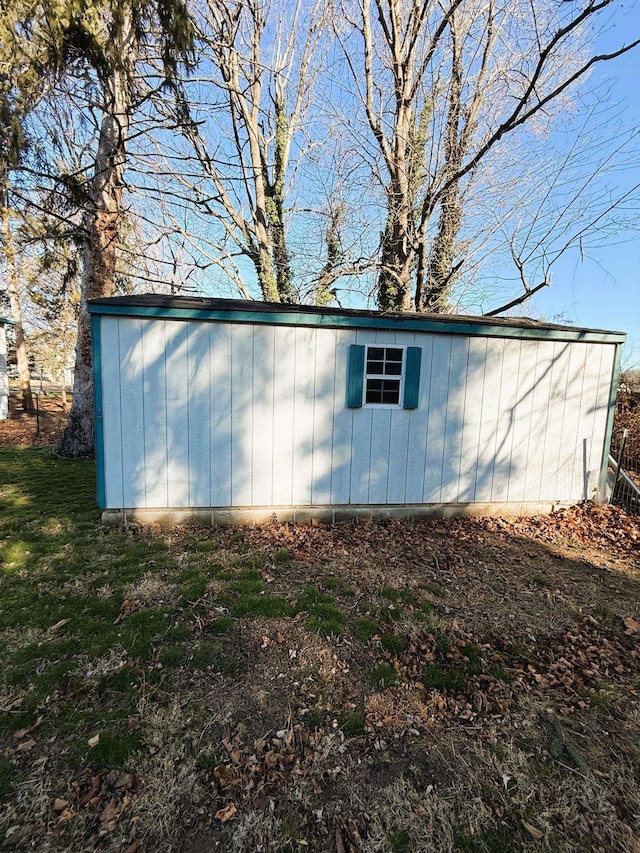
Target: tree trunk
x=440, y=276
x=14, y=301
x=397, y=256
x=394, y=280
x=436, y=278
x=101, y=224
x=281, y=260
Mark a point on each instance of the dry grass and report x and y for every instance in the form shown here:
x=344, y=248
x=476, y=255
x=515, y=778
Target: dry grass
x=420, y=686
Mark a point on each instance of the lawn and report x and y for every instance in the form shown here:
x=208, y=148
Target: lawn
x=469, y=685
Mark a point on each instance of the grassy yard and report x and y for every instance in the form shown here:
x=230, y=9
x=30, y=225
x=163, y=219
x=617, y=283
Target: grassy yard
x=470, y=685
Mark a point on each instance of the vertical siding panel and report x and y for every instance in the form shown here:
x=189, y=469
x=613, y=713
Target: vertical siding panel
x=379, y=466
x=549, y=485
x=220, y=425
x=568, y=449
x=199, y=414
x=601, y=411
x=399, y=435
x=342, y=422
x=178, y=382
x=540, y=402
x=437, y=419
x=417, y=427
x=361, y=440
x=241, y=414
x=324, y=381
x=112, y=426
x=132, y=412
x=583, y=474
x=398, y=451
x=522, y=426
x=305, y=358
x=474, y=399
x=262, y=415
x=454, y=419
x=489, y=419
x=155, y=412
x=283, y=413
x=506, y=420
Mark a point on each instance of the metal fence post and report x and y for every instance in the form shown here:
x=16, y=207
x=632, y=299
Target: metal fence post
x=619, y=465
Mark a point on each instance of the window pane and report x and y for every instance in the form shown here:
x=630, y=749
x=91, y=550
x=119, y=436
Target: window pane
x=384, y=362
x=392, y=386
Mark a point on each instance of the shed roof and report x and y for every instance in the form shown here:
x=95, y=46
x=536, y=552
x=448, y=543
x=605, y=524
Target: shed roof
x=6, y=321
x=273, y=313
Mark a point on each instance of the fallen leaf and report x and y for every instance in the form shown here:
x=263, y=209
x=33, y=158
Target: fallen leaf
x=225, y=814
x=20, y=733
x=26, y=745
x=632, y=625
x=110, y=814
x=533, y=831
x=12, y=835
x=94, y=741
x=96, y=784
x=59, y=805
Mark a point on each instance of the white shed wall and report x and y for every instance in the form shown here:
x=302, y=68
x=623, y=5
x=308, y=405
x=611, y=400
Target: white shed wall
x=210, y=414
x=4, y=379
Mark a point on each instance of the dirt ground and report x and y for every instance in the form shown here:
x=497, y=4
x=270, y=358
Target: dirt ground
x=21, y=428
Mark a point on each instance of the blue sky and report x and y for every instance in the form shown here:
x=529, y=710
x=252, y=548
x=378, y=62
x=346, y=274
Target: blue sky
x=603, y=289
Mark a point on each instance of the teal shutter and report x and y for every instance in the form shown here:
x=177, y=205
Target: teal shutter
x=355, y=376
x=412, y=378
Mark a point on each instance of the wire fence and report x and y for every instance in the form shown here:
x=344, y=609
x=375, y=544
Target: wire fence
x=624, y=462
x=43, y=425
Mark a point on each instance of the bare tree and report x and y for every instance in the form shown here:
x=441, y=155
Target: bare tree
x=447, y=89
x=259, y=62
x=12, y=282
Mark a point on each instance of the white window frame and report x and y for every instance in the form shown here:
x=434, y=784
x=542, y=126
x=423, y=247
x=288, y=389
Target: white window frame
x=401, y=377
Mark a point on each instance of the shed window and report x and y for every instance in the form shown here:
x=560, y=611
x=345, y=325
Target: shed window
x=384, y=369
x=383, y=376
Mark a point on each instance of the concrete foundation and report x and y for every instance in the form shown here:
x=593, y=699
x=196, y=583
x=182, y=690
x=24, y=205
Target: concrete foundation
x=325, y=514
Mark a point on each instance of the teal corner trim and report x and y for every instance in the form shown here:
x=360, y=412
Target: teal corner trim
x=96, y=358
x=355, y=376
x=412, y=378
x=613, y=391
x=384, y=321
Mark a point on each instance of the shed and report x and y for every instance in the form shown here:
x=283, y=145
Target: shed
x=233, y=411
x=4, y=378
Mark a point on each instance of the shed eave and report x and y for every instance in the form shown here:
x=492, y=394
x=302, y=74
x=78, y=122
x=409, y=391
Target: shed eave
x=345, y=319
